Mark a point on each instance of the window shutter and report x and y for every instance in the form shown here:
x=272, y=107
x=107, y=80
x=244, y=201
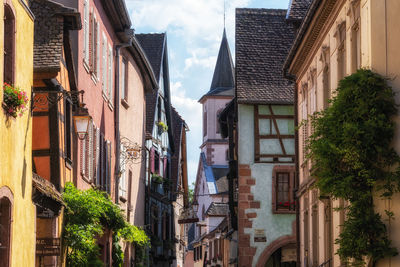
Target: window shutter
x=122, y=180
x=91, y=151
x=96, y=155
x=102, y=161
x=152, y=167
x=97, y=56
x=83, y=156
x=86, y=30
x=104, y=84
x=87, y=151
x=108, y=181
x=91, y=36
x=110, y=72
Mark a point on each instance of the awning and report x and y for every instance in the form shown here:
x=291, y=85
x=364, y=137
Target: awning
x=46, y=197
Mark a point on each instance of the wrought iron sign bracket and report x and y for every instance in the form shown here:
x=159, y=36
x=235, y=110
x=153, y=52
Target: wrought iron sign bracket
x=45, y=99
x=131, y=152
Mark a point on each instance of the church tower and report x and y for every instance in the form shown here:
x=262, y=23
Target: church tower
x=214, y=101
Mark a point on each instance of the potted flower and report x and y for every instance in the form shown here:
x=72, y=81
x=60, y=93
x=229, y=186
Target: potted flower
x=155, y=178
x=15, y=100
x=162, y=127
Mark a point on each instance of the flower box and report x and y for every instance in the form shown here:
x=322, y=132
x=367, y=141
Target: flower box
x=15, y=100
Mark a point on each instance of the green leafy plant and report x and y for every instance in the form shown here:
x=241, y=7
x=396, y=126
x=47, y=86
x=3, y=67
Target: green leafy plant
x=15, y=100
x=155, y=178
x=87, y=215
x=353, y=160
x=162, y=126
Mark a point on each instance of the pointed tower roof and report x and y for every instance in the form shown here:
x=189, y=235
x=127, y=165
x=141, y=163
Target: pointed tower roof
x=223, y=80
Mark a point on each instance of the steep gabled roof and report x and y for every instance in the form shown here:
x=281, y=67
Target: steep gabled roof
x=263, y=40
x=223, y=78
x=298, y=9
x=179, y=125
x=49, y=33
x=153, y=45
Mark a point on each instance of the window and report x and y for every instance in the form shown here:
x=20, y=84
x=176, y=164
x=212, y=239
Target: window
x=326, y=90
x=315, y=227
x=217, y=122
x=355, y=46
x=283, y=189
x=156, y=162
x=9, y=45
x=86, y=31
x=122, y=179
x=5, y=231
x=68, y=130
x=341, y=50
x=304, y=127
x=205, y=122
x=274, y=133
x=94, y=43
x=216, y=246
x=104, y=58
x=110, y=74
x=306, y=235
x=154, y=220
x=328, y=229
x=124, y=82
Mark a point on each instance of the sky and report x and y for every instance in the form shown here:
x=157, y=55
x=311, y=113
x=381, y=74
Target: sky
x=194, y=30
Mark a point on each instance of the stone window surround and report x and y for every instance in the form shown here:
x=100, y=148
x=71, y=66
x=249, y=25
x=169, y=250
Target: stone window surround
x=279, y=169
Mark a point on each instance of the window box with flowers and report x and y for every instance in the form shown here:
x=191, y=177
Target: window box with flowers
x=157, y=179
x=162, y=127
x=15, y=100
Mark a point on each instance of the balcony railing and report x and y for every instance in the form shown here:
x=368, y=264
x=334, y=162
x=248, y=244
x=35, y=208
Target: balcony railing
x=328, y=263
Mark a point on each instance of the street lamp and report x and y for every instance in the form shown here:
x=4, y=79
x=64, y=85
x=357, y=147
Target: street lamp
x=81, y=121
x=195, y=205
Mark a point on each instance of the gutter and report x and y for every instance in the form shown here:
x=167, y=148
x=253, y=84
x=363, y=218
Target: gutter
x=130, y=34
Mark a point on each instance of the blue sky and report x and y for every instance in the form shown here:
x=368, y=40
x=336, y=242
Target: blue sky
x=194, y=30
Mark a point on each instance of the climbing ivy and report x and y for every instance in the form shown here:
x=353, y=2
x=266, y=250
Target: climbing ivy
x=86, y=216
x=353, y=160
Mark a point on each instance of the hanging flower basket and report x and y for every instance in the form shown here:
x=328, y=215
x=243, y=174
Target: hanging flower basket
x=157, y=179
x=162, y=127
x=15, y=100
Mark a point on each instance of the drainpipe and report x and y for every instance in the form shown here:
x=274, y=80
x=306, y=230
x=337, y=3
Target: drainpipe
x=130, y=34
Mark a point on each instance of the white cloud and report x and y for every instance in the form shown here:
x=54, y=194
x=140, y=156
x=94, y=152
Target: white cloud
x=198, y=23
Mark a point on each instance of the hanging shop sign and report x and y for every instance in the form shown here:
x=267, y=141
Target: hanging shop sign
x=259, y=235
x=48, y=247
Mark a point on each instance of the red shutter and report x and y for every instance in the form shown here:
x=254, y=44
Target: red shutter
x=165, y=167
x=152, y=159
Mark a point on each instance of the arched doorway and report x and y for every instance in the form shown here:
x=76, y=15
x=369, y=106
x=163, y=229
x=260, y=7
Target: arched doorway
x=5, y=231
x=280, y=258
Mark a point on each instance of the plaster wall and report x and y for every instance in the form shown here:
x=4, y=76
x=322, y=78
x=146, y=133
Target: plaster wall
x=274, y=225
x=213, y=104
x=16, y=142
x=99, y=106
x=380, y=36
x=132, y=126
x=219, y=154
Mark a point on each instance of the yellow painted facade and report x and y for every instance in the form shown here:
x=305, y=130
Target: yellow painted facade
x=355, y=34
x=16, y=141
